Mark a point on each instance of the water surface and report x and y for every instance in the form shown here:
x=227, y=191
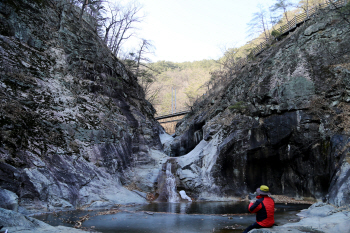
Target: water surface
x=195, y=217
x=212, y=207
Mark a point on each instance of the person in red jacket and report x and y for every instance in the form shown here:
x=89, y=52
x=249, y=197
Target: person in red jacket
x=264, y=207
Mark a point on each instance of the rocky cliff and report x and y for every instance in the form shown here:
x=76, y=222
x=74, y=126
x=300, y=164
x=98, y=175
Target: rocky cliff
x=74, y=122
x=282, y=120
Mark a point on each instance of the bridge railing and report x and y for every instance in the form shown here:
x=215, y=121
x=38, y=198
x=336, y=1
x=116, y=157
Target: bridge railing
x=291, y=25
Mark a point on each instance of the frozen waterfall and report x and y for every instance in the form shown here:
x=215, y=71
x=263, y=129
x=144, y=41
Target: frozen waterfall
x=171, y=185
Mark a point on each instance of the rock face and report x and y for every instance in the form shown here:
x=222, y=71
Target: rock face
x=16, y=222
x=281, y=121
x=8, y=200
x=74, y=123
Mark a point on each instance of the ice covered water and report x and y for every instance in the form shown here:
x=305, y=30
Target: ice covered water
x=190, y=217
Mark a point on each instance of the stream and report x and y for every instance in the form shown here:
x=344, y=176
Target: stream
x=189, y=217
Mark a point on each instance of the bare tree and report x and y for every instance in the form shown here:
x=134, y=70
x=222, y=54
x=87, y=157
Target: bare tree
x=145, y=74
x=137, y=62
x=94, y=5
x=258, y=24
x=152, y=91
x=227, y=63
x=109, y=23
x=145, y=48
x=114, y=23
x=304, y=5
x=120, y=26
x=282, y=5
x=85, y=3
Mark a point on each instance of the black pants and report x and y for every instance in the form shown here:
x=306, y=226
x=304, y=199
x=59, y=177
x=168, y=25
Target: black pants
x=251, y=227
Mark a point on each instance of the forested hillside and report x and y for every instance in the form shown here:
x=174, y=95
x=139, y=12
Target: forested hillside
x=189, y=79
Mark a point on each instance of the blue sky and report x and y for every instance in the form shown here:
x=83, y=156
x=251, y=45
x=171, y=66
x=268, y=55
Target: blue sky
x=190, y=30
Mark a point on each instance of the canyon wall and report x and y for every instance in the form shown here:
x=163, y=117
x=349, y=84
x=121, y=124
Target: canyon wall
x=282, y=121
x=74, y=121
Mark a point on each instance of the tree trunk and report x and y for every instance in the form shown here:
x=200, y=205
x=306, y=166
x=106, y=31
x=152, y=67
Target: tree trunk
x=86, y=2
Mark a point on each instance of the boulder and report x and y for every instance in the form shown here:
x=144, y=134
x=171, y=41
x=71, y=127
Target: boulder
x=8, y=200
x=16, y=222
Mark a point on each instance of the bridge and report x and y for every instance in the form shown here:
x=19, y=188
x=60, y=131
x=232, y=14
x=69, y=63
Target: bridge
x=171, y=118
x=170, y=115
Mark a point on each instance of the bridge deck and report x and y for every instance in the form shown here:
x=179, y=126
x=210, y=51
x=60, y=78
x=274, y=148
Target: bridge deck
x=172, y=114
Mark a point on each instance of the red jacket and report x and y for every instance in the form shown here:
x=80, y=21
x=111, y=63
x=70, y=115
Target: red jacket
x=264, y=208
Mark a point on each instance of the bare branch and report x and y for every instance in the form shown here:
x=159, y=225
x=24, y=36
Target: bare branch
x=120, y=26
x=257, y=24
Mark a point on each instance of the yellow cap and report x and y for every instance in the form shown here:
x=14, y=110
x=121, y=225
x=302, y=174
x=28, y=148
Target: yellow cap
x=264, y=188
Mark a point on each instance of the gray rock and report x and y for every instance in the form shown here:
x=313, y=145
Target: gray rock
x=142, y=194
x=323, y=218
x=8, y=200
x=15, y=222
x=339, y=191
x=314, y=28
x=317, y=210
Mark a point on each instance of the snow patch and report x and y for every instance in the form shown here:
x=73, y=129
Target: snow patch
x=158, y=156
x=184, y=195
x=165, y=138
x=60, y=59
x=200, y=161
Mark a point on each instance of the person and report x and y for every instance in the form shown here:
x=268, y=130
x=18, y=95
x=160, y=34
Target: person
x=264, y=207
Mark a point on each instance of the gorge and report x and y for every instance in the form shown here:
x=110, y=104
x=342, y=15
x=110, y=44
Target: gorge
x=77, y=132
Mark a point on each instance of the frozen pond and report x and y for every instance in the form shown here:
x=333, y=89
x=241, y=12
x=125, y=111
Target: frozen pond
x=174, y=217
